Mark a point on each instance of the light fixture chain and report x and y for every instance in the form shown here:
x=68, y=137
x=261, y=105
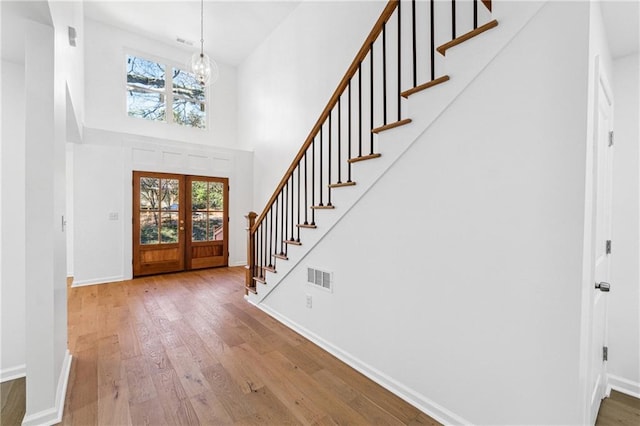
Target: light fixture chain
x=204, y=69
x=201, y=27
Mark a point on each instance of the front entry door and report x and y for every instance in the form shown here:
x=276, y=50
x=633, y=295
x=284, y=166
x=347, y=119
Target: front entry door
x=207, y=222
x=158, y=223
x=179, y=222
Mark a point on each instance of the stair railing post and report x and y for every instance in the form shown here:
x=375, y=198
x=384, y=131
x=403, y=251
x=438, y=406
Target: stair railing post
x=251, y=220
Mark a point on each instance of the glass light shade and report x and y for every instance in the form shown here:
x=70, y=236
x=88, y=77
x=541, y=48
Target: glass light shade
x=205, y=69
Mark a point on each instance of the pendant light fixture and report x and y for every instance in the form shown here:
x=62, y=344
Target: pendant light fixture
x=204, y=68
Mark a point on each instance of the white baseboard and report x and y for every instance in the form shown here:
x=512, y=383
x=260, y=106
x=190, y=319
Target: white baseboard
x=13, y=373
x=53, y=415
x=238, y=263
x=93, y=281
x=622, y=385
x=424, y=404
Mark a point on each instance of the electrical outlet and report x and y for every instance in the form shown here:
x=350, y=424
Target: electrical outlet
x=309, y=301
x=113, y=216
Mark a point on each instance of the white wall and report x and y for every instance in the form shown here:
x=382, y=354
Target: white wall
x=102, y=185
x=624, y=298
x=114, y=144
x=105, y=84
x=12, y=266
x=469, y=300
x=66, y=14
x=47, y=358
x=286, y=82
x=35, y=157
x=69, y=208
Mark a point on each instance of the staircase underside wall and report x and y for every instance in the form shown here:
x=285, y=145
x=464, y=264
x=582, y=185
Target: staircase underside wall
x=457, y=276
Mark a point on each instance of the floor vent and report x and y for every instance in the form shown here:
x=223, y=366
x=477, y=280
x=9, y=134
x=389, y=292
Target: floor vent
x=319, y=278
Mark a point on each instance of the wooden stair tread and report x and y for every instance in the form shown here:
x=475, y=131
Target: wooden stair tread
x=260, y=280
x=325, y=207
x=281, y=256
x=341, y=184
x=251, y=289
x=458, y=40
x=270, y=269
x=306, y=225
x=391, y=125
x=487, y=4
x=363, y=158
x=293, y=242
x=424, y=86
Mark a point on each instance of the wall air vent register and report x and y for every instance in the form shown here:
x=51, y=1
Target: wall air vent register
x=320, y=278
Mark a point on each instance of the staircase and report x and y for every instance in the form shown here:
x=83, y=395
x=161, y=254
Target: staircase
x=403, y=55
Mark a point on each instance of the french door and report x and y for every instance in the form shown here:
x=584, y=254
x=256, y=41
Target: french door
x=179, y=222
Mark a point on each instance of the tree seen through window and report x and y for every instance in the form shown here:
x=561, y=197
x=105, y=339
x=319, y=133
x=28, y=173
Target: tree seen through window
x=148, y=96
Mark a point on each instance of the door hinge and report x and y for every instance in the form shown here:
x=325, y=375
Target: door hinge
x=605, y=353
x=608, y=247
x=611, y=138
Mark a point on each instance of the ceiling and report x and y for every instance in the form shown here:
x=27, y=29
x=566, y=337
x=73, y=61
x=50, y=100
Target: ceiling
x=232, y=29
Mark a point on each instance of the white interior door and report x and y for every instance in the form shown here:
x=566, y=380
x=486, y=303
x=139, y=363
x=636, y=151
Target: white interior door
x=602, y=232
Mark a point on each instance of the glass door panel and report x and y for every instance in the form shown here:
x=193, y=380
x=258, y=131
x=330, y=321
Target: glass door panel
x=207, y=222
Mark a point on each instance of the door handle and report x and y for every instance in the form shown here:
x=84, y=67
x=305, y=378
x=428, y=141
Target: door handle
x=603, y=286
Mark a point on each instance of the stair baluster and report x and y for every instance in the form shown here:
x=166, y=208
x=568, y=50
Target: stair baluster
x=432, y=29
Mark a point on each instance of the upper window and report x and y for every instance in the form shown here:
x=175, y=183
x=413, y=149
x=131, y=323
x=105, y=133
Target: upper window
x=152, y=91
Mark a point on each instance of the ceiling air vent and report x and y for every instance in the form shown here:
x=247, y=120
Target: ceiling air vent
x=183, y=40
x=319, y=278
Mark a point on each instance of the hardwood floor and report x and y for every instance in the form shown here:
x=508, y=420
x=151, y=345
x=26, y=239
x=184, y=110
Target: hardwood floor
x=187, y=349
x=620, y=410
x=12, y=395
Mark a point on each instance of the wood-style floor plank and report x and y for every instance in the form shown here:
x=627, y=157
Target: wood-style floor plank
x=12, y=395
x=169, y=350
x=187, y=349
x=620, y=410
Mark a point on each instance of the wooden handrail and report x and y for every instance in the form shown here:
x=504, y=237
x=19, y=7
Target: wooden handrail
x=351, y=71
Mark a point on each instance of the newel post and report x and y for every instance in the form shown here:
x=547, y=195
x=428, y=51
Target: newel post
x=251, y=220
